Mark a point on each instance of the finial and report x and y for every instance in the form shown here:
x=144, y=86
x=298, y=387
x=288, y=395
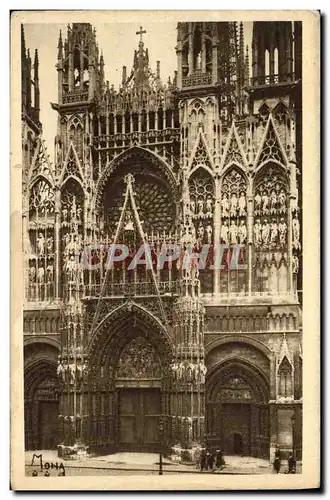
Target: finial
x=141, y=32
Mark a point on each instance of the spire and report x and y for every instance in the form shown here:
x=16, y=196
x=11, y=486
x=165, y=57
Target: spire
x=247, y=66
x=36, y=66
x=60, y=47
x=23, y=41
x=241, y=41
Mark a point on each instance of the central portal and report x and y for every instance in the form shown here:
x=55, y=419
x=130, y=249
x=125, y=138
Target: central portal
x=139, y=412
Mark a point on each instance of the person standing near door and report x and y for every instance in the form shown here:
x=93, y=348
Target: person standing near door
x=277, y=460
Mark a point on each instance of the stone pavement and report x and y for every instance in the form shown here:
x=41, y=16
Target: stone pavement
x=149, y=462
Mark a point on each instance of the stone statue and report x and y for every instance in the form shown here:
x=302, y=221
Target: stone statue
x=50, y=273
x=209, y=233
x=273, y=233
x=295, y=264
x=32, y=274
x=225, y=206
x=296, y=233
x=273, y=202
x=200, y=231
x=41, y=275
x=233, y=205
x=70, y=268
x=192, y=206
x=41, y=244
x=265, y=201
x=79, y=213
x=282, y=228
x=64, y=216
x=233, y=231
x=257, y=233
x=50, y=244
x=224, y=232
x=242, y=232
x=282, y=202
x=265, y=233
x=257, y=203
x=242, y=205
x=200, y=205
x=209, y=206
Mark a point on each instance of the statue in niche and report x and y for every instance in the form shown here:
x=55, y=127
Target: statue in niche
x=224, y=232
x=41, y=244
x=41, y=275
x=257, y=233
x=50, y=273
x=296, y=233
x=273, y=233
x=79, y=214
x=265, y=233
x=50, y=244
x=129, y=225
x=32, y=273
x=282, y=202
x=242, y=232
x=233, y=205
x=273, y=201
x=265, y=201
x=209, y=207
x=200, y=205
x=70, y=268
x=200, y=231
x=282, y=229
x=74, y=208
x=209, y=231
x=233, y=231
x=225, y=205
x=64, y=216
x=191, y=234
x=257, y=203
x=242, y=205
x=192, y=206
x=295, y=264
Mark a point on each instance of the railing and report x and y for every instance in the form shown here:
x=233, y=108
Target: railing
x=197, y=79
x=75, y=96
x=272, y=79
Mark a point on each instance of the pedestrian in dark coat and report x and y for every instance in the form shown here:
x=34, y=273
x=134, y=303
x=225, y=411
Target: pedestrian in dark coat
x=203, y=460
x=277, y=460
x=210, y=461
x=291, y=464
x=219, y=460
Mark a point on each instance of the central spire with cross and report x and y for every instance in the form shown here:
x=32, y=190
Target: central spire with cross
x=141, y=32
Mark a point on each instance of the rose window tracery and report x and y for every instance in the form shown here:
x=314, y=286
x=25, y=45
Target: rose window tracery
x=153, y=200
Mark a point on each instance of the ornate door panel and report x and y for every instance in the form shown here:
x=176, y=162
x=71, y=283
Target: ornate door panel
x=139, y=411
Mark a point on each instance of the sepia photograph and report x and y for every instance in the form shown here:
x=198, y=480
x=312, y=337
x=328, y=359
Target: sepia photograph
x=162, y=216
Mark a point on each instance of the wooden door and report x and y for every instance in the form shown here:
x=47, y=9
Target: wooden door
x=48, y=425
x=139, y=411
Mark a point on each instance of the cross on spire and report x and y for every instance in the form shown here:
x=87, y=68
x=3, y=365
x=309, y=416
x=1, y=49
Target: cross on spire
x=141, y=32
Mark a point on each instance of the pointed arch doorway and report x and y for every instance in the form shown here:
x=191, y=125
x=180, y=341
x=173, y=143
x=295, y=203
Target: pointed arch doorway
x=138, y=386
x=129, y=391
x=238, y=410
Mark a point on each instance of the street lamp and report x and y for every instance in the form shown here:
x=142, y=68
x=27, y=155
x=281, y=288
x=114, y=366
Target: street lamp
x=293, y=423
x=161, y=431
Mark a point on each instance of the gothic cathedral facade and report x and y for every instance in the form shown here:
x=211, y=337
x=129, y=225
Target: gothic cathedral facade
x=143, y=359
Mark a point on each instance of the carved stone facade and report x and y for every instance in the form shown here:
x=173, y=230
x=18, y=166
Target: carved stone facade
x=191, y=356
